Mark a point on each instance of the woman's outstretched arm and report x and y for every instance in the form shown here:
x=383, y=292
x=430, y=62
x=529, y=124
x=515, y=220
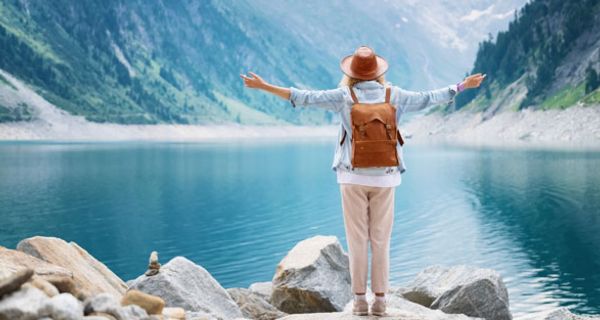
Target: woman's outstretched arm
x=257, y=82
x=417, y=100
x=328, y=99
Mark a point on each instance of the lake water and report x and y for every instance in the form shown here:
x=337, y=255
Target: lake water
x=237, y=208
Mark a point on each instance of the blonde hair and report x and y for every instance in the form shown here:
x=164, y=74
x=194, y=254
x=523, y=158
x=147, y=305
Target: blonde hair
x=350, y=82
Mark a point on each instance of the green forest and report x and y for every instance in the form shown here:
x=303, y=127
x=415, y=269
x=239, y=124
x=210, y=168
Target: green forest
x=537, y=41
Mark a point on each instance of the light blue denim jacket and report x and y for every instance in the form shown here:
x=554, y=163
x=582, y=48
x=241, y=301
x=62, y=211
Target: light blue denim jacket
x=340, y=101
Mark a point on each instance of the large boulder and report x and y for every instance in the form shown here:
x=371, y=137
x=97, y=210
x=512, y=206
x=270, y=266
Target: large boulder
x=253, y=305
x=263, y=289
x=462, y=289
x=12, y=261
x=181, y=283
x=313, y=277
x=199, y=315
x=564, y=314
x=416, y=311
x=90, y=275
x=398, y=309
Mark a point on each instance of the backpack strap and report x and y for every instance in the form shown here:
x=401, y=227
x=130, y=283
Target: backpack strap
x=387, y=94
x=353, y=95
x=343, y=137
x=400, y=140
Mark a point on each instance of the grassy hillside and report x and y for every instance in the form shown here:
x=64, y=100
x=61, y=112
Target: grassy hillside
x=149, y=62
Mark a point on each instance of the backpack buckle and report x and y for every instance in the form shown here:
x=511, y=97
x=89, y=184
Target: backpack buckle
x=362, y=130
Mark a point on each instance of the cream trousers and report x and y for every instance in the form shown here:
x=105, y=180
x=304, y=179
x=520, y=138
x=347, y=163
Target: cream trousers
x=368, y=218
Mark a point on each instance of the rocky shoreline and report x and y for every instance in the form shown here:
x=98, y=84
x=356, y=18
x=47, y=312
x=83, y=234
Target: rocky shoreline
x=49, y=278
x=577, y=127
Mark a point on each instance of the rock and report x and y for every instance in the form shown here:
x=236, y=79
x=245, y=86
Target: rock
x=205, y=316
x=62, y=307
x=313, y=277
x=89, y=274
x=153, y=265
x=174, y=313
x=253, y=305
x=564, y=314
x=48, y=288
x=398, y=309
x=24, y=304
x=102, y=303
x=152, y=304
x=461, y=289
x=13, y=260
x=14, y=282
x=132, y=312
x=263, y=289
x=395, y=315
x=107, y=304
x=418, y=311
x=100, y=316
x=181, y=283
x=199, y=315
x=65, y=285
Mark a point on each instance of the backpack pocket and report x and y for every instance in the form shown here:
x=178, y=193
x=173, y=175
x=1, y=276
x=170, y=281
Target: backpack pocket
x=374, y=153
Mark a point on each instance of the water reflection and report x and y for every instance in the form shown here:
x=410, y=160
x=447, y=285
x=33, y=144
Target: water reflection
x=548, y=203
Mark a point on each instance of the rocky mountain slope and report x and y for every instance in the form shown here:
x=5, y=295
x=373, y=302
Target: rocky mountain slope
x=548, y=58
x=148, y=62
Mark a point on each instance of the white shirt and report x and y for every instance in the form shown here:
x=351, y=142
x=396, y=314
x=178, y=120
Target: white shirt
x=391, y=180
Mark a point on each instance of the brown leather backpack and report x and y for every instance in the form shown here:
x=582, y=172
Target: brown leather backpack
x=374, y=133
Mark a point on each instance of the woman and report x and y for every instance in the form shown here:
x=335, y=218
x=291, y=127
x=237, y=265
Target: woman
x=367, y=193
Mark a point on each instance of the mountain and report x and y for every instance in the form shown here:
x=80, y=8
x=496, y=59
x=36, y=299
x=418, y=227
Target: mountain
x=428, y=45
x=178, y=61
x=548, y=58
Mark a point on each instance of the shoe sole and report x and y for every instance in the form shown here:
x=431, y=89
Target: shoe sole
x=379, y=314
x=357, y=313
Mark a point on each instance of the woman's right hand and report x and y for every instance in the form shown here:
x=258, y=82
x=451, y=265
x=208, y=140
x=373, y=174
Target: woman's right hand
x=256, y=82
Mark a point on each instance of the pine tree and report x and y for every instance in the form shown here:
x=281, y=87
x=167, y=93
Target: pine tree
x=591, y=80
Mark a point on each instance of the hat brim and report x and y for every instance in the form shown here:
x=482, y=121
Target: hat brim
x=382, y=67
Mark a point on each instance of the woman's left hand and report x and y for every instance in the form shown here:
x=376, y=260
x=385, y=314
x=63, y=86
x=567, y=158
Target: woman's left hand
x=473, y=81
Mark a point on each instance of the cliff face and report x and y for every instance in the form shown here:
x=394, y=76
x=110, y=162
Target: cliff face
x=178, y=61
x=548, y=58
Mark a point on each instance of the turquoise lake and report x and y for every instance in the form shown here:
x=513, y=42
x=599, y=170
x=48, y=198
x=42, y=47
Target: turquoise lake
x=237, y=208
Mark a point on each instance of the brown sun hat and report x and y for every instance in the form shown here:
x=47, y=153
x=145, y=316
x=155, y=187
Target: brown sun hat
x=364, y=64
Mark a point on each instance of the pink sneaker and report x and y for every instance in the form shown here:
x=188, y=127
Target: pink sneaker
x=361, y=307
x=378, y=308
